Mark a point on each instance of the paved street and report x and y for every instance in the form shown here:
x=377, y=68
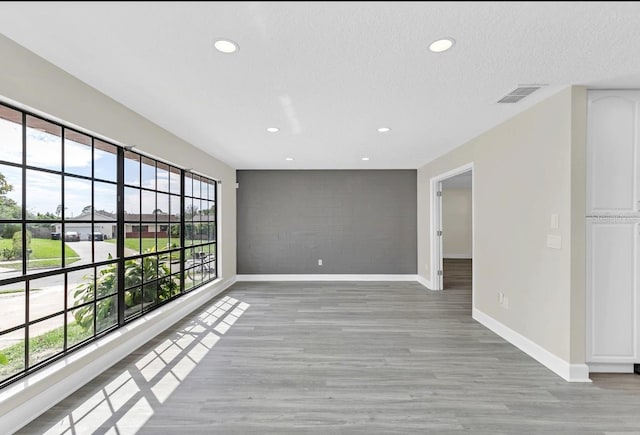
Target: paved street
x=102, y=250
x=51, y=289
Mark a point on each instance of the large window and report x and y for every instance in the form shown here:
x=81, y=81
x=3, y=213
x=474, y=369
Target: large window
x=91, y=237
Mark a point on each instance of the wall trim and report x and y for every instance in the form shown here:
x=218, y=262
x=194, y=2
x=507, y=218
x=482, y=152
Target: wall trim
x=28, y=398
x=567, y=371
x=610, y=367
x=425, y=282
x=327, y=277
x=457, y=256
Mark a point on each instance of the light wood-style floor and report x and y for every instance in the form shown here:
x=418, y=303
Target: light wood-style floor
x=334, y=358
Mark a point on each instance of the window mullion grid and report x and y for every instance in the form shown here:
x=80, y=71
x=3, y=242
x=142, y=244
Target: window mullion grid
x=26, y=324
x=95, y=295
x=23, y=225
x=63, y=262
x=215, y=226
x=120, y=241
x=93, y=229
x=183, y=256
x=120, y=245
x=24, y=192
x=93, y=205
x=66, y=308
x=141, y=286
x=155, y=207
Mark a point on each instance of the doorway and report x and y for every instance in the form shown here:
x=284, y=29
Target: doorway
x=452, y=222
x=457, y=237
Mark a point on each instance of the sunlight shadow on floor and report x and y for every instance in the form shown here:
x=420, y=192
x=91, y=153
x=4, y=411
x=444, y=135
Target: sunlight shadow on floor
x=127, y=401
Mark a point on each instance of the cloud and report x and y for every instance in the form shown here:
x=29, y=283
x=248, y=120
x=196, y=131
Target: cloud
x=44, y=150
x=11, y=134
x=77, y=155
x=43, y=191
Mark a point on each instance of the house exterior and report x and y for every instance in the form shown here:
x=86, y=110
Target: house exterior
x=82, y=225
x=148, y=225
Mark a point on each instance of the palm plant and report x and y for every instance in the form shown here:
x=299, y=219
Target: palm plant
x=148, y=281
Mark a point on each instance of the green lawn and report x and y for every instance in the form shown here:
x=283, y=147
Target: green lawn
x=8, y=291
x=150, y=243
x=146, y=243
x=12, y=358
x=44, y=253
x=51, y=262
x=42, y=248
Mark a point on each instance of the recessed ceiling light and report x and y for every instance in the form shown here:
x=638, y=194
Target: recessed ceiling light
x=384, y=129
x=441, y=45
x=365, y=158
x=273, y=129
x=225, y=46
x=289, y=159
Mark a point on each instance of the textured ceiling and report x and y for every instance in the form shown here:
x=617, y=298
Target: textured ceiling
x=329, y=74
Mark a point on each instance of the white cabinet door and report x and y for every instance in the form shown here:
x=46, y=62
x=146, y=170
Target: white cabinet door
x=613, y=154
x=612, y=290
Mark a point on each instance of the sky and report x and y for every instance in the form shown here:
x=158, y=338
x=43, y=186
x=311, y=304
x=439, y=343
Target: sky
x=44, y=192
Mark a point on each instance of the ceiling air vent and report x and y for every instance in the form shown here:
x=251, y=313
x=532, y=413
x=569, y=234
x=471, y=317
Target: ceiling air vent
x=519, y=93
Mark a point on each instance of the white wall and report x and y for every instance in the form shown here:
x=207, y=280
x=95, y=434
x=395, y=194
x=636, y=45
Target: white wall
x=526, y=169
x=36, y=84
x=32, y=83
x=456, y=223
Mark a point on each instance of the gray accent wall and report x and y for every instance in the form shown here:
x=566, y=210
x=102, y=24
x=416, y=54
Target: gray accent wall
x=356, y=221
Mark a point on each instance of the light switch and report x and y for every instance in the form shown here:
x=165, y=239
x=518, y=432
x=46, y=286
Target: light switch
x=554, y=242
x=554, y=222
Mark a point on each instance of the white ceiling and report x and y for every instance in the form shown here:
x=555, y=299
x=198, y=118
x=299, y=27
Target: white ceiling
x=328, y=74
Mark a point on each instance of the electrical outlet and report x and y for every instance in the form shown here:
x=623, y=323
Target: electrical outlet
x=319, y=261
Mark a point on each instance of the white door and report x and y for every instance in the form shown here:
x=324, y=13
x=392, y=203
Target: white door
x=612, y=289
x=613, y=226
x=613, y=157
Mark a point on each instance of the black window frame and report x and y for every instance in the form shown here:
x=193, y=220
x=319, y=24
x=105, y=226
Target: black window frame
x=174, y=253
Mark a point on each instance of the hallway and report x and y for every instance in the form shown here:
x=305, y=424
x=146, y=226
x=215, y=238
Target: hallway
x=457, y=274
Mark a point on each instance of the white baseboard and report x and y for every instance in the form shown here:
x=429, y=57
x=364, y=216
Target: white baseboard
x=457, y=256
x=312, y=277
x=567, y=371
x=29, y=397
x=424, y=281
x=610, y=367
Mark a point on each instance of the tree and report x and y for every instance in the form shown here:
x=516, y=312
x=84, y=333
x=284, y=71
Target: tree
x=9, y=209
x=17, y=243
x=8, y=230
x=190, y=211
x=87, y=209
x=208, y=211
x=5, y=187
x=59, y=210
x=43, y=216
